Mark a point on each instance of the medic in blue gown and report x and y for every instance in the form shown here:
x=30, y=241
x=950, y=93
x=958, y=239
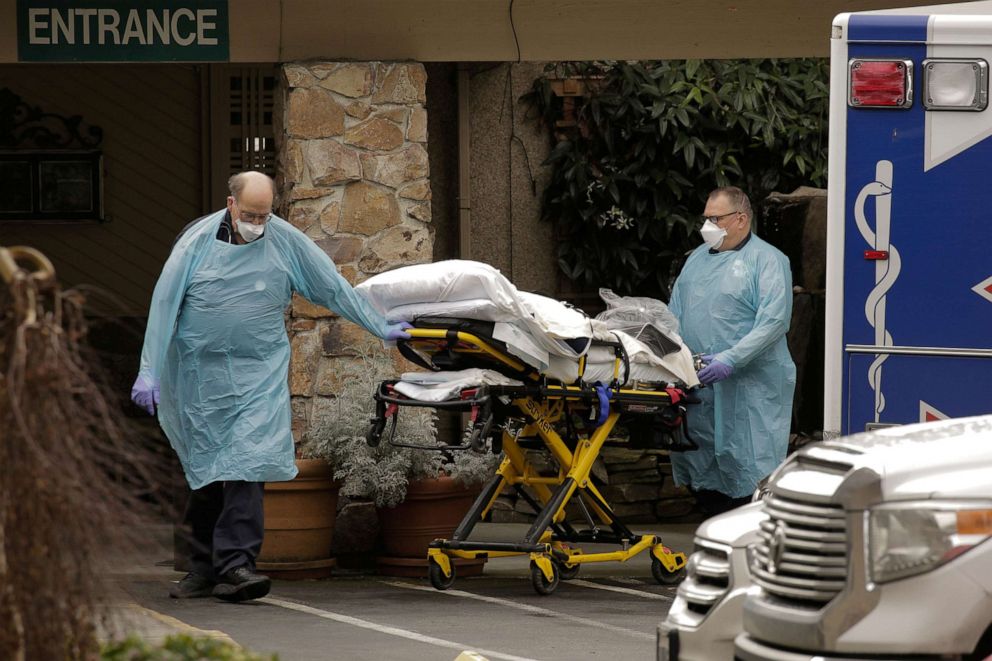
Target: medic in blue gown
x=214, y=367
x=733, y=300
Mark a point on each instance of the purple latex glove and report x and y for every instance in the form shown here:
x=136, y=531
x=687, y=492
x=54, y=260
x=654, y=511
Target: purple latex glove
x=713, y=371
x=145, y=394
x=398, y=331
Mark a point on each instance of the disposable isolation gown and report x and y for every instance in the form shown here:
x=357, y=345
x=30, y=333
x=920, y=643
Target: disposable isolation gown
x=216, y=339
x=737, y=305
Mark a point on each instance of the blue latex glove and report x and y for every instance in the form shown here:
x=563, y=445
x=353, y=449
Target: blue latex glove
x=398, y=331
x=713, y=371
x=145, y=393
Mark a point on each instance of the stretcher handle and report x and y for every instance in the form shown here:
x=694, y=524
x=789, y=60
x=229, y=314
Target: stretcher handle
x=482, y=397
x=387, y=406
x=378, y=426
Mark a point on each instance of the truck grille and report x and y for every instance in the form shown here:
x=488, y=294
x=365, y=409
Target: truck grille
x=802, y=555
x=707, y=578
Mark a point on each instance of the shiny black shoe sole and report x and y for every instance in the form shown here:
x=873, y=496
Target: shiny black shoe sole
x=242, y=591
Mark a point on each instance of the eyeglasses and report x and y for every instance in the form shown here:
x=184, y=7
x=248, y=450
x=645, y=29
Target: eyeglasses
x=716, y=219
x=254, y=218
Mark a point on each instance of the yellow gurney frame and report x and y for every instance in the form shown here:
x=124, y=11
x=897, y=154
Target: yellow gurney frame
x=551, y=542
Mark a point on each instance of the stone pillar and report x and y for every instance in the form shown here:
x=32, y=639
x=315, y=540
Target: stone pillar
x=353, y=175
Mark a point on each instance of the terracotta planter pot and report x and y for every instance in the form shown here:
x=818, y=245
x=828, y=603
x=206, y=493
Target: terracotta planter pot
x=432, y=509
x=299, y=523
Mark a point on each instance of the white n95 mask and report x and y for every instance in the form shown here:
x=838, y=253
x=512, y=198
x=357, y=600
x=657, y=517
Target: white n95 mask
x=713, y=234
x=249, y=231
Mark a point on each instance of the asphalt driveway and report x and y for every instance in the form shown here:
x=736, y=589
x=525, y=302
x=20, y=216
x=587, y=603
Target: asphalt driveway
x=610, y=611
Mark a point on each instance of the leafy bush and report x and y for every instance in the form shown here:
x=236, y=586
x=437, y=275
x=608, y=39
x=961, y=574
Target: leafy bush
x=652, y=139
x=382, y=473
x=177, y=648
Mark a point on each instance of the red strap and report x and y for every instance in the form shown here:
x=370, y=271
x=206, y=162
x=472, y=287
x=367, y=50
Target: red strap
x=674, y=394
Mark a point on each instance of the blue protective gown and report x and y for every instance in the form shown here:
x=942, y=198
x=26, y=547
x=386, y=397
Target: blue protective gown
x=737, y=305
x=216, y=340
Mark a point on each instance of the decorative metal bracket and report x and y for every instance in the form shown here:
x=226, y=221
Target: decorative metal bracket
x=23, y=126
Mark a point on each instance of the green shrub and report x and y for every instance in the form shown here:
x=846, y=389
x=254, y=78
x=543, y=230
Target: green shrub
x=652, y=139
x=177, y=648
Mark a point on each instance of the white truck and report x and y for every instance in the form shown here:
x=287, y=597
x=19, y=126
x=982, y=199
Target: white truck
x=706, y=615
x=877, y=546
x=873, y=546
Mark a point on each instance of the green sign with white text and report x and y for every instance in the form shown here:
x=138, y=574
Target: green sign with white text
x=122, y=31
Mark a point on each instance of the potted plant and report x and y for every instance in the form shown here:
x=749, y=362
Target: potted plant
x=419, y=494
x=299, y=523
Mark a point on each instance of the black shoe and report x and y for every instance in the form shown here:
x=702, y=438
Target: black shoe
x=241, y=584
x=192, y=586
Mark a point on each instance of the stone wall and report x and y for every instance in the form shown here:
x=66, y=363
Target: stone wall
x=353, y=174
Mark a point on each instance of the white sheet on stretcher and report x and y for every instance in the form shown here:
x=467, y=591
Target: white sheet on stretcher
x=533, y=327
x=473, y=290
x=440, y=386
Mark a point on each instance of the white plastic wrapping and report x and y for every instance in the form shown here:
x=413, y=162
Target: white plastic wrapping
x=647, y=319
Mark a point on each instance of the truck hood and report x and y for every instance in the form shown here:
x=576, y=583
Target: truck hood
x=943, y=459
x=737, y=528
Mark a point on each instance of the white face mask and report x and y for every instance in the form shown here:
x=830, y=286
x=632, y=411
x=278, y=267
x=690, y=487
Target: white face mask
x=713, y=234
x=249, y=231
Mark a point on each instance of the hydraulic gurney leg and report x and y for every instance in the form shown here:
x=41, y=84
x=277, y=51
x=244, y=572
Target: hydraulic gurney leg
x=666, y=566
x=512, y=471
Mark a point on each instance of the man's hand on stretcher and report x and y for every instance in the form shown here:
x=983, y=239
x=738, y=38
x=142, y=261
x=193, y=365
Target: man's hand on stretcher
x=713, y=370
x=398, y=331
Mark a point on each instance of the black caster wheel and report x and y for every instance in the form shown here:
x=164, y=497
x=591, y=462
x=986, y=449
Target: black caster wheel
x=567, y=573
x=437, y=577
x=664, y=576
x=541, y=584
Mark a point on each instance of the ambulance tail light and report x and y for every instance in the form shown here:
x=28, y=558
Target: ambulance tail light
x=955, y=84
x=880, y=83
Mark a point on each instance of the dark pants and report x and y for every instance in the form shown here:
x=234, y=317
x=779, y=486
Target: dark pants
x=712, y=503
x=227, y=525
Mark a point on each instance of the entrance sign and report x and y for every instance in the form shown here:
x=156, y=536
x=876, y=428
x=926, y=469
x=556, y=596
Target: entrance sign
x=122, y=31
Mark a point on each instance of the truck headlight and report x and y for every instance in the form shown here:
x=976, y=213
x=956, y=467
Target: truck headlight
x=914, y=537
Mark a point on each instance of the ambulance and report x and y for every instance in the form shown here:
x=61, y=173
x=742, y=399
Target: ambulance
x=909, y=240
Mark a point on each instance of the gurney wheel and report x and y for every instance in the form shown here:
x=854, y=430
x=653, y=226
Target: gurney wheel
x=437, y=577
x=541, y=584
x=664, y=576
x=567, y=573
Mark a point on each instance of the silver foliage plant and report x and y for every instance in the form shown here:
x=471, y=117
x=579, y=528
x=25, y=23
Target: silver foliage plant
x=382, y=473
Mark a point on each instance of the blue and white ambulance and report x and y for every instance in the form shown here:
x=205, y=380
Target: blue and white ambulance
x=909, y=256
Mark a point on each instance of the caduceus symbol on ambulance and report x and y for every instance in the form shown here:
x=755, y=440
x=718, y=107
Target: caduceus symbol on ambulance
x=886, y=270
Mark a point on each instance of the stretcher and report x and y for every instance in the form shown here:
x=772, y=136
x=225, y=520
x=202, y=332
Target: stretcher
x=572, y=422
